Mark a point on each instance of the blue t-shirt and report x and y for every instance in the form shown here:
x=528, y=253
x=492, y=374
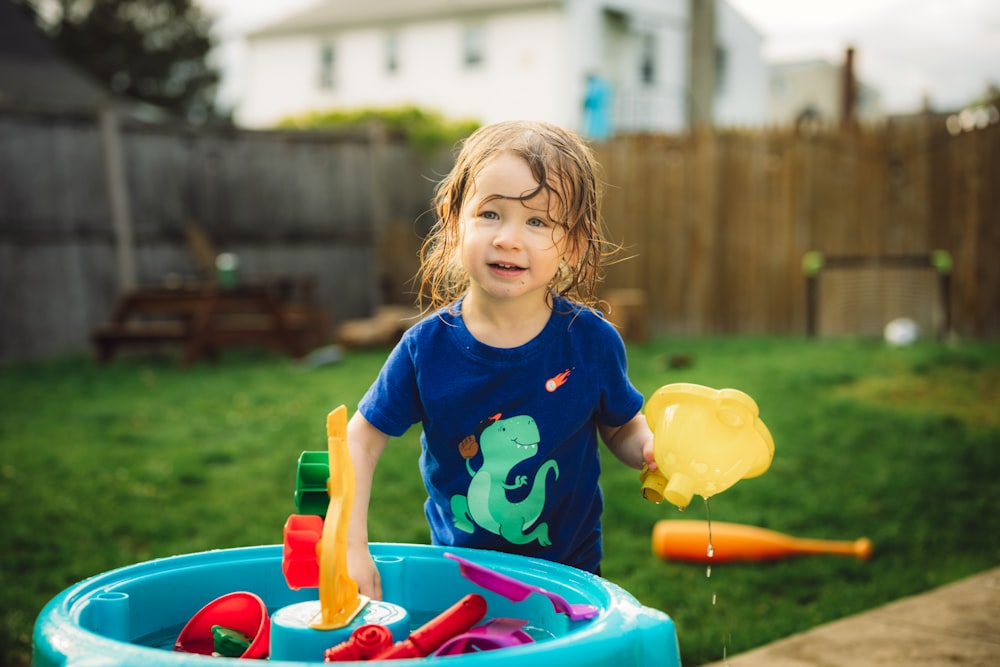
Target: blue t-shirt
x=510, y=456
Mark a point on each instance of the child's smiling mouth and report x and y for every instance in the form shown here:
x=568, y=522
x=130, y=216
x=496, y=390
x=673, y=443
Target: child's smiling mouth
x=506, y=269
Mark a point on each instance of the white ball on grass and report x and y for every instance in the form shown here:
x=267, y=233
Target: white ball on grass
x=901, y=331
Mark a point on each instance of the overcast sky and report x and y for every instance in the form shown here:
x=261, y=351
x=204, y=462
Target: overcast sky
x=948, y=50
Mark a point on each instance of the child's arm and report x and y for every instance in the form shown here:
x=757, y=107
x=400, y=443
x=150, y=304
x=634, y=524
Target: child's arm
x=631, y=443
x=365, y=444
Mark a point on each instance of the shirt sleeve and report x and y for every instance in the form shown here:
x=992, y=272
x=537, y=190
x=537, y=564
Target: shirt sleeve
x=620, y=400
x=392, y=403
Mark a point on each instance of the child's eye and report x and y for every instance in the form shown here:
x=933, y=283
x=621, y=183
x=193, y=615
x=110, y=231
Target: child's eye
x=489, y=215
x=537, y=222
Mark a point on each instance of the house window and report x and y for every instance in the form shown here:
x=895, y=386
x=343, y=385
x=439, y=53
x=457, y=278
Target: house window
x=392, y=52
x=721, y=67
x=473, y=45
x=327, y=66
x=647, y=60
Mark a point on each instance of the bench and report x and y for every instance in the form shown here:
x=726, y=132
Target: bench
x=202, y=318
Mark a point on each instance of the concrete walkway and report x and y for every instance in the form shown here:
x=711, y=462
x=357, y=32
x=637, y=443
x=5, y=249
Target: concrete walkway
x=957, y=625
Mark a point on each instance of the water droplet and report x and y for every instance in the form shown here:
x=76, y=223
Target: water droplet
x=708, y=521
x=708, y=571
x=713, y=602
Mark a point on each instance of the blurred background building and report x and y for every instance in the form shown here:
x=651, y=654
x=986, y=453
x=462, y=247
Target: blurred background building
x=817, y=90
x=664, y=64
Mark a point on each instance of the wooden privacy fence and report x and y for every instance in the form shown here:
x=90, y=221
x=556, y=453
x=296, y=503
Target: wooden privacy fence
x=717, y=224
x=312, y=203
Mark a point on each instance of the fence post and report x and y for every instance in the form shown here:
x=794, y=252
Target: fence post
x=114, y=170
x=942, y=262
x=812, y=262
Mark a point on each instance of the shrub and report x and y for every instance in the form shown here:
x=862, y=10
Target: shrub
x=427, y=131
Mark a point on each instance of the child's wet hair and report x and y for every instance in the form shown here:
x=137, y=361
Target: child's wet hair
x=566, y=170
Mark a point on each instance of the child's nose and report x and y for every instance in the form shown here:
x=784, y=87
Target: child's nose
x=508, y=236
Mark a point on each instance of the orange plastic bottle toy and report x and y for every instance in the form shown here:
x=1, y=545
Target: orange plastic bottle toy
x=705, y=440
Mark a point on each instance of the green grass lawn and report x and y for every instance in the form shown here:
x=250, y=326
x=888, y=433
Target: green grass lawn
x=106, y=466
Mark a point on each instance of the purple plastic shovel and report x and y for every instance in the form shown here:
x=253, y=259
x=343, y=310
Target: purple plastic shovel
x=515, y=590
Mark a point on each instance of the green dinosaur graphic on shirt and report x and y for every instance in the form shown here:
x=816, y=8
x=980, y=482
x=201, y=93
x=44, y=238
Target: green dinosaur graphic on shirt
x=504, y=444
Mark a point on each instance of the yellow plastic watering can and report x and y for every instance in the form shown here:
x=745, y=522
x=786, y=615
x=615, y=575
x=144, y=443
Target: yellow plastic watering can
x=705, y=440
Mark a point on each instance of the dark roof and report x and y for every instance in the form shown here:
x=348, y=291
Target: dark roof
x=340, y=13
x=32, y=75
x=18, y=38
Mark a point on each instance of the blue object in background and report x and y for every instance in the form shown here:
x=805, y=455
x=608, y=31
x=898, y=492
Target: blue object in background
x=597, y=108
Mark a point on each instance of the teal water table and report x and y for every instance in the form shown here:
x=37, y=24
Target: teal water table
x=133, y=615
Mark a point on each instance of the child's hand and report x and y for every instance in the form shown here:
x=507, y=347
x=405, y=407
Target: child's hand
x=647, y=453
x=361, y=568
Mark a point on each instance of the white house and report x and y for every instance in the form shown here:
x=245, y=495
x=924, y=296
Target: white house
x=813, y=90
x=490, y=60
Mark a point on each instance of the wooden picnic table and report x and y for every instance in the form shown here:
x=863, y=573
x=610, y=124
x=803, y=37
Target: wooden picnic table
x=204, y=317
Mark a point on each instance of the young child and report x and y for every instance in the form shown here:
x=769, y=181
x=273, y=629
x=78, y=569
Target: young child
x=513, y=374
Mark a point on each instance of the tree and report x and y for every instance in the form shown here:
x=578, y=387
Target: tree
x=155, y=51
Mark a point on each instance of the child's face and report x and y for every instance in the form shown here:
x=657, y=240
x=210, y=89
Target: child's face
x=510, y=248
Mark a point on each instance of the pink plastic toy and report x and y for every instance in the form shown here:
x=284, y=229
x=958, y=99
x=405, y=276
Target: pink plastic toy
x=494, y=634
x=515, y=590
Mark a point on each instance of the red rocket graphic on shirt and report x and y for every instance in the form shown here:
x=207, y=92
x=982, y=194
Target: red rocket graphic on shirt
x=557, y=381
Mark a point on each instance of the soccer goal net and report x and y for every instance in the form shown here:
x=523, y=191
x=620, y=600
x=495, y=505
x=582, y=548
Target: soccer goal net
x=858, y=295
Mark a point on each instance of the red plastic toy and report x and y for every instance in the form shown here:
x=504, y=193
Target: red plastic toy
x=299, y=562
x=243, y=612
x=364, y=643
x=429, y=637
